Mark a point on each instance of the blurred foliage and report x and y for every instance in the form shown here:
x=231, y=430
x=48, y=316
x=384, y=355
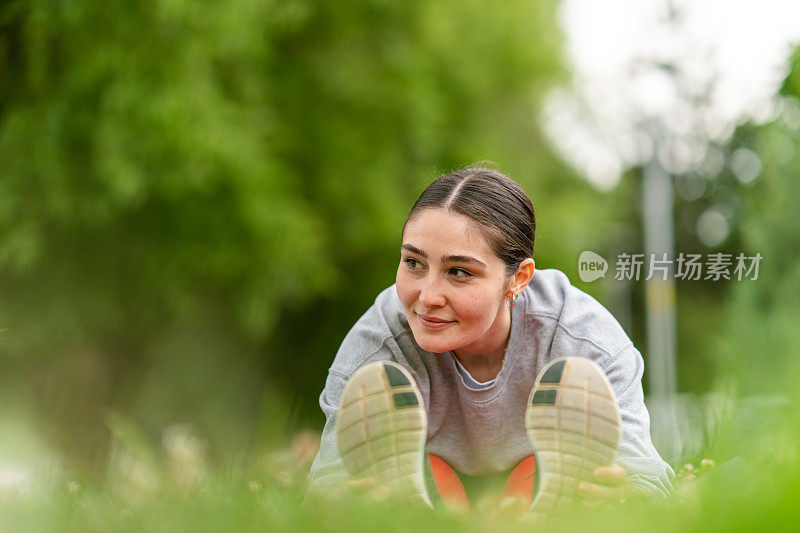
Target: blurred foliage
x=759, y=341
x=198, y=200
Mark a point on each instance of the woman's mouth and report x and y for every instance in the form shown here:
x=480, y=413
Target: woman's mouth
x=433, y=322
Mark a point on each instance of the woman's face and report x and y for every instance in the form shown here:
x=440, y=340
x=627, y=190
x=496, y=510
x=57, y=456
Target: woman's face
x=447, y=271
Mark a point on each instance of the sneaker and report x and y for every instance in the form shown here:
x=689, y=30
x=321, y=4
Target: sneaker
x=381, y=430
x=573, y=423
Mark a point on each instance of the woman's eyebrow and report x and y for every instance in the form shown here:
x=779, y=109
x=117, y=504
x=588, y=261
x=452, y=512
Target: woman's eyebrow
x=445, y=258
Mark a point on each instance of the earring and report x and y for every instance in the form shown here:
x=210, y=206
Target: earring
x=510, y=300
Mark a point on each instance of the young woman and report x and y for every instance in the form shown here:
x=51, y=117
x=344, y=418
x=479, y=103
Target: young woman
x=440, y=374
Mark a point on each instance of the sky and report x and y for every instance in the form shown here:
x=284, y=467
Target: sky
x=670, y=79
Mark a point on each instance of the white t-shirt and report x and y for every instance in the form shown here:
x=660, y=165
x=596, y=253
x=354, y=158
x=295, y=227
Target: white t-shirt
x=469, y=381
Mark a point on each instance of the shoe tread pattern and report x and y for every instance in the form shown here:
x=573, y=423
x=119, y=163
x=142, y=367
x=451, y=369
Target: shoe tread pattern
x=572, y=435
x=381, y=429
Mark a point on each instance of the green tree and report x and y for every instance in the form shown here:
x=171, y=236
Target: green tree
x=759, y=343
x=198, y=200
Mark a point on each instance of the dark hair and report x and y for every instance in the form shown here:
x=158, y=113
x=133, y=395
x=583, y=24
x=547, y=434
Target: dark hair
x=492, y=200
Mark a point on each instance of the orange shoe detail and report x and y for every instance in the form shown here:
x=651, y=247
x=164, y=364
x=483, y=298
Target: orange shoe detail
x=519, y=484
x=448, y=484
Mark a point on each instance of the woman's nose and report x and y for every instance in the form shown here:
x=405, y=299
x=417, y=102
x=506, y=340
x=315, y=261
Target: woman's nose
x=431, y=294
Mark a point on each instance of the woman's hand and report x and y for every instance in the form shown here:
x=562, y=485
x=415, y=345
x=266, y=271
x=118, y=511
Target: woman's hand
x=611, y=487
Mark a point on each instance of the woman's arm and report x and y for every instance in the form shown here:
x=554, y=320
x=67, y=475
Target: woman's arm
x=646, y=469
x=327, y=471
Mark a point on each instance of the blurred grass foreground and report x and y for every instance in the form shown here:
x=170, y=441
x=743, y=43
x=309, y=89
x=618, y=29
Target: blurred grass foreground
x=199, y=199
x=179, y=492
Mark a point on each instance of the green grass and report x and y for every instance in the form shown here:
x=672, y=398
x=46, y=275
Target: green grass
x=738, y=504
x=177, y=489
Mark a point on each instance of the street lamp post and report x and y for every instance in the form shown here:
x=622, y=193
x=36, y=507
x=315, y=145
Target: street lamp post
x=658, y=223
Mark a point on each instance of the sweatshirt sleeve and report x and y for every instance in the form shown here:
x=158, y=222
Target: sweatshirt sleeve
x=646, y=469
x=327, y=470
x=367, y=341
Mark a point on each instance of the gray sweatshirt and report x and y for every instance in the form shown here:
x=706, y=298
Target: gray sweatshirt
x=481, y=431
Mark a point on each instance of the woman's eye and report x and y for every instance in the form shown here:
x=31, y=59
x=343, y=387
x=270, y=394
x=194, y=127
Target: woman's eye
x=464, y=272
x=456, y=272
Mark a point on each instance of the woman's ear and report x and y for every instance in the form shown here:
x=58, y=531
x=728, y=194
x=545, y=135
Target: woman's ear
x=523, y=275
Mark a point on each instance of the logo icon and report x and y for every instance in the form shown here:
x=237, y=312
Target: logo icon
x=591, y=266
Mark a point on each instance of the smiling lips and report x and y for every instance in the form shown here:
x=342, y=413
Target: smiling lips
x=432, y=322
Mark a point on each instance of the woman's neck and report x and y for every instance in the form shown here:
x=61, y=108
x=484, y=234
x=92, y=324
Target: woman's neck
x=483, y=359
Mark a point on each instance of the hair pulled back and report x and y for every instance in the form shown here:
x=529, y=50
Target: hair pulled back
x=492, y=200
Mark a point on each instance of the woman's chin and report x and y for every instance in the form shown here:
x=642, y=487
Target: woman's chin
x=433, y=346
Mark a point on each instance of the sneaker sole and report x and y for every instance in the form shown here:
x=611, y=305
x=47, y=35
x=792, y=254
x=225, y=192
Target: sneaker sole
x=573, y=423
x=381, y=430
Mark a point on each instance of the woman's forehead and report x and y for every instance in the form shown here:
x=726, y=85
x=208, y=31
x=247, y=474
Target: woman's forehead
x=446, y=232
